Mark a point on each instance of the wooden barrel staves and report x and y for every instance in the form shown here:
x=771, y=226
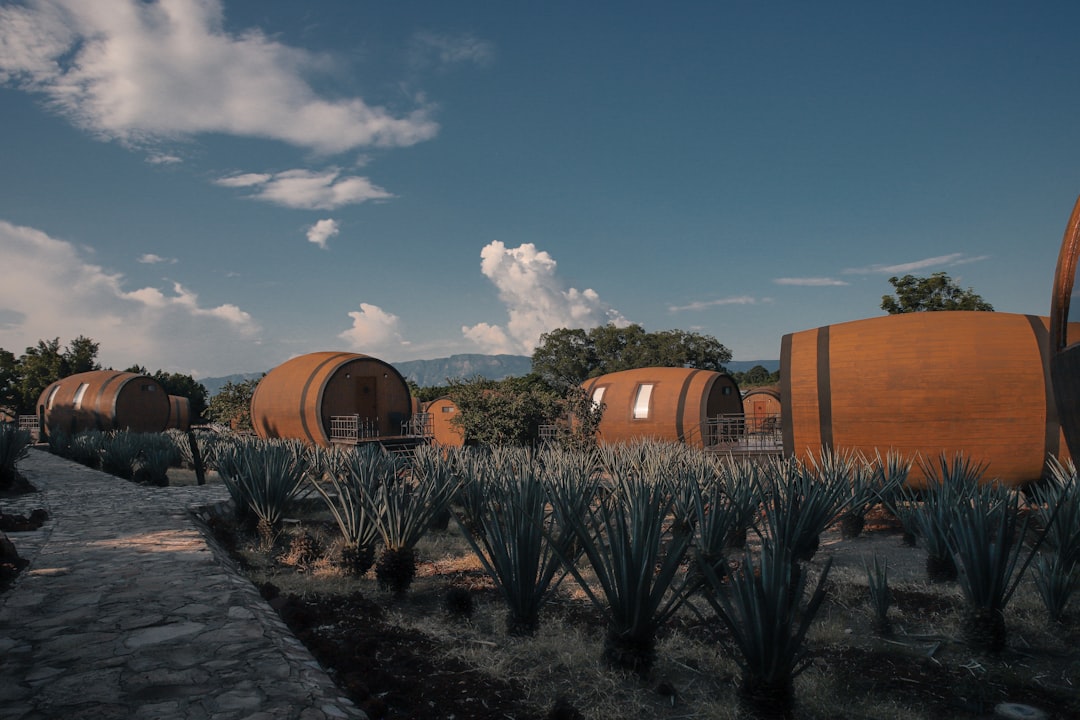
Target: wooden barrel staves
x=1065, y=359
x=926, y=384
x=179, y=413
x=105, y=400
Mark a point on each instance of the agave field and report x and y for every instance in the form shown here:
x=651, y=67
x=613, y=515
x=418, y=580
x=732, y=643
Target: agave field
x=658, y=581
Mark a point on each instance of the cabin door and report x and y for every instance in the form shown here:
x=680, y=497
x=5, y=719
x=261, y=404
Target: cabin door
x=367, y=406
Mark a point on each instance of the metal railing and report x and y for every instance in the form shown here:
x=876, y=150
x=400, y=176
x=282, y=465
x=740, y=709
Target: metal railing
x=353, y=428
x=741, y=433
x=419, y=425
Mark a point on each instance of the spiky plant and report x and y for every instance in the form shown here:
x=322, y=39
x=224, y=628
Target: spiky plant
x=344, y=479
x=950, y=484
x=877, y=581
x=263, y=477
x=120, y=452
x=86, y=448
x=1059, y=495
x=852, y=471
x=403, y=508
x=742, y=489
x=1056, y=582
x=725, y=500
x=760, y=605
x=519, y=543
x=14, y=446
x=800, y=504
x=60, y=442
x=890, y=485
x=153, y=465
x=636, y=561
x=988, y=542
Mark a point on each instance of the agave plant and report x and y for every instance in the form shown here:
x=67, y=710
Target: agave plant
x=877, y=581
x=402, y=509
x=120, y=452
x=353, y=475
x=263, y=477
x=800, y=504
x=725, y=500
x=59, y=442
x=636, y=560
x=14, y=445
x=519, y=543
x=988, y=543
x=890, y=484
x=950, y=485
x=153, y=465
x=760, y=605
x=1057, y=569
x=86, y=447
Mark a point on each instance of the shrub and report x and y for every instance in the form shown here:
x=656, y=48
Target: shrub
x=14, y=445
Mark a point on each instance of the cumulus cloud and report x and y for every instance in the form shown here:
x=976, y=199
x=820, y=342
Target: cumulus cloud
x=48, y=289
x=152, y=259
x=810, y=281
x=938, y=261
x=307, y=189
x=706, y=304
x=140, y=71
x=374, y=331
x=535, y=300
x=322, y=231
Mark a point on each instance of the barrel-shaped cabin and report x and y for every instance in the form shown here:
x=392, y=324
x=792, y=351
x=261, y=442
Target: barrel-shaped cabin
x=104, y=400
x=926, y=384
x=179, y=413
x=313, y=396
x=443, y=431
x=697, y=407
x=762, y=408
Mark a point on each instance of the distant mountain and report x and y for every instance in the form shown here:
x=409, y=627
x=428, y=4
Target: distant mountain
x=427, y=373
x=213, y=385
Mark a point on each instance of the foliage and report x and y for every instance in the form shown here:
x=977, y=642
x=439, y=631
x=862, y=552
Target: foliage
x=949, y=484
x=799, y=503
x=9, y=382
x=184, y=386
x=231, y=406
x=636, y=561
x=262, y=477
x=937, y=292
x=14, y=445
x=22, y=381
x=504, y=412
x=877, y=581
x=756, y=376
x=568, y=356
x=760, y=607
x=119, y=452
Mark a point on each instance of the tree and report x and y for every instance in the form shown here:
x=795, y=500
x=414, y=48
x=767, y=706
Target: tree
x=566, y=357
x=504, y=412
x=756, y=376
x=9, y=382
x=184, y=386
x=232, y=405
x=937, y=292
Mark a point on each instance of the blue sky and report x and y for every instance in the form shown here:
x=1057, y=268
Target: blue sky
x=210, y=186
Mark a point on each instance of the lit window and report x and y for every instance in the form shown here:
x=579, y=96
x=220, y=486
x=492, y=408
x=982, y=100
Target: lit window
x=52, y=396
x=148, y=388
x=447, y=409
x=641, y=402
x=598, y=395
x=79, y=394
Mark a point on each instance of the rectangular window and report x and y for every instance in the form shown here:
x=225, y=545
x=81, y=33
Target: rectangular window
x=641, y=402
x=148, y=387
x=52, y=396
x=447, y=409
x=79, y=395
x=598, y=395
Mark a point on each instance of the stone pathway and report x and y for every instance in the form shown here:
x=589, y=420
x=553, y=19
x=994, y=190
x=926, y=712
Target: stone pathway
x=126, y=612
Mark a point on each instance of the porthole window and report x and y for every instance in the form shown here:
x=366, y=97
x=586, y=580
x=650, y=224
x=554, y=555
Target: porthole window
x=641, y=402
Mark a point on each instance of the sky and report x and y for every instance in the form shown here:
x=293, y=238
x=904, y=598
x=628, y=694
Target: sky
x=214, y=186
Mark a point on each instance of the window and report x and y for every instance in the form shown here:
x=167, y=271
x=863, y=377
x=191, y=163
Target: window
x=726, y=391
x=148, y=387
x=598, y=395
x=641, y=402
x=52, y=396
x=79, y=395
x=447, y=408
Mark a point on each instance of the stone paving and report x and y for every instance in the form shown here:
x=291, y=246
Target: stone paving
x=126, y=611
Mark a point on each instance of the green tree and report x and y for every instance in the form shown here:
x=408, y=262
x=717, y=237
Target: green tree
x=756, y=376
x=566, y=356
x=9, y=382
x=185, y=386
x=80, y=356
x=504, y=412
x=937, y=292
x=232, y=405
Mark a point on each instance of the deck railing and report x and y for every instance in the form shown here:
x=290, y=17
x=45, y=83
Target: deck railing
x=737, y=432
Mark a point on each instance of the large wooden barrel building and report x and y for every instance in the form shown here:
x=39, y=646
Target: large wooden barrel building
x=663, y=403
x=298, y=398
x=444, y=432
x=762, y=408
x=926, y=384
x=179, y=413
x=104, y=400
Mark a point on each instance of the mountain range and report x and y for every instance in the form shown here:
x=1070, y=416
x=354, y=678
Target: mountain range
x=426, y=373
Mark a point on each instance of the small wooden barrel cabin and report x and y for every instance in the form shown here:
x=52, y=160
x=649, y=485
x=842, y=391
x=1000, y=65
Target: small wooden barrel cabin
x=179, y=413
x=925, y=384
x=104, y=400
x=444, y=432
x=762, y=408
x=662, y=403
x=298, y=398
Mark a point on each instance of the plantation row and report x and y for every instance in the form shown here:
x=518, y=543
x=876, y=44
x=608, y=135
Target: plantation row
x=644, y=528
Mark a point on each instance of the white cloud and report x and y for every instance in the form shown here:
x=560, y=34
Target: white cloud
x=442, y=49
x=158, y=158
x=140, y=71
x=810, y=282
x=48, y=289
x=938, y=261
x=374, y=331
x=152, y=259
x=706, y=304
x=535, y=300
x=322, y=231
x=307, y=189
